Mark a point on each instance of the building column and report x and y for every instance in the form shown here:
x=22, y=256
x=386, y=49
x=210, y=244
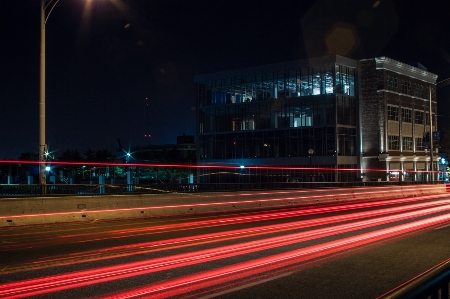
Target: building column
x=436, y=169
x=400, y=176
x=415, y=170
x=387, y=171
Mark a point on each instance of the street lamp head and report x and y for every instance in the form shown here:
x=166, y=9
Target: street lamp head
x=310, y=151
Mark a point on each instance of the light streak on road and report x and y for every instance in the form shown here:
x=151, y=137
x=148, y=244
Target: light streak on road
x=141, y=248
x=125, y=233
x=239, y=271
x=63, y=282
x=218, y=167
x=320, y=197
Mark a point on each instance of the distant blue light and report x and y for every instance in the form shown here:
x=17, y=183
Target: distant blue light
x=242, y=166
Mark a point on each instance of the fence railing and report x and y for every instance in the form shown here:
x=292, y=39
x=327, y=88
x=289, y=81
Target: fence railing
x=12, y=190
x=433, y=284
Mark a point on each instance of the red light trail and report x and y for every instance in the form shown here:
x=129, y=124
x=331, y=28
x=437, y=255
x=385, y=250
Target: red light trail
x=314, y=210
x=195, y=166
x=418, y=215
x=351, y=193
x=232, y=274
x=141, y=248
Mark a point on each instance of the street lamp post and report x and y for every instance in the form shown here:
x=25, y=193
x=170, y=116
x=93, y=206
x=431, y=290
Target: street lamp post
x=42, y=144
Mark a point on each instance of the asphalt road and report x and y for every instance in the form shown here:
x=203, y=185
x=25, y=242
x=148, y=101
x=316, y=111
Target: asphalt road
x=345, y=250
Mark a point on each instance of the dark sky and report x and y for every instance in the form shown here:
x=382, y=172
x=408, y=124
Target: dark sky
x=104, y=57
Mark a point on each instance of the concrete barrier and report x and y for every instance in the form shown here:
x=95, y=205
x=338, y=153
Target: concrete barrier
x=43, y=210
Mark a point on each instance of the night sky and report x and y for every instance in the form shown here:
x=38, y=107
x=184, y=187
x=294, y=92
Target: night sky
x=104, y=57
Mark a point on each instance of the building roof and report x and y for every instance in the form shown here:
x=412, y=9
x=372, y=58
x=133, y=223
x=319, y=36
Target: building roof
x=276, y=67
x=405, y=69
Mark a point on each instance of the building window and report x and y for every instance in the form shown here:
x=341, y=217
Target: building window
x=407, y=143
x=419, y=144
x=406, y=115
x=418, y=117
x=346, y=141
x=394, y=144
x=406, y=87
x=392, y=113
x=404, y=83
x=392, y=83
x=344, y=80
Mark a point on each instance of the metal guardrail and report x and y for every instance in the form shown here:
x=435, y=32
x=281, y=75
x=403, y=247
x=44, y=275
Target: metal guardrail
x=25, y=190
x=433, y=284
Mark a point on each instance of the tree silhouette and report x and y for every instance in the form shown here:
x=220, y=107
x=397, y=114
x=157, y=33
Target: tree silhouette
x=89, y=154
x=104, y=156
x=70, y=156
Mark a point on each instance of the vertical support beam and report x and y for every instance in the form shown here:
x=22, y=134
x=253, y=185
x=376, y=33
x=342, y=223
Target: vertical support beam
x=387, y=171
x=401, y=178
x=359, y=136
x=415, y=171
x=431, y=138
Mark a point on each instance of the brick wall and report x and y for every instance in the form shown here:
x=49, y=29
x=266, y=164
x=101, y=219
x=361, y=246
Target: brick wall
x=372, y=109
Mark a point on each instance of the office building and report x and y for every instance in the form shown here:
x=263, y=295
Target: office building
x=328, y=113
x=395, y=120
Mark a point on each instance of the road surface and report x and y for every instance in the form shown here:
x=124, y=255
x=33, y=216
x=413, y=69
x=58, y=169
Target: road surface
x=355, y=249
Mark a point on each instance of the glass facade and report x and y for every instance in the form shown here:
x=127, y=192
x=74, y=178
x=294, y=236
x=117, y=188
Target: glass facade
x=280, y=85
x=278, y=114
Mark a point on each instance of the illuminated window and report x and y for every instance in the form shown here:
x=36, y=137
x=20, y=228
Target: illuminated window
x=317, y=82
x=345, y=80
